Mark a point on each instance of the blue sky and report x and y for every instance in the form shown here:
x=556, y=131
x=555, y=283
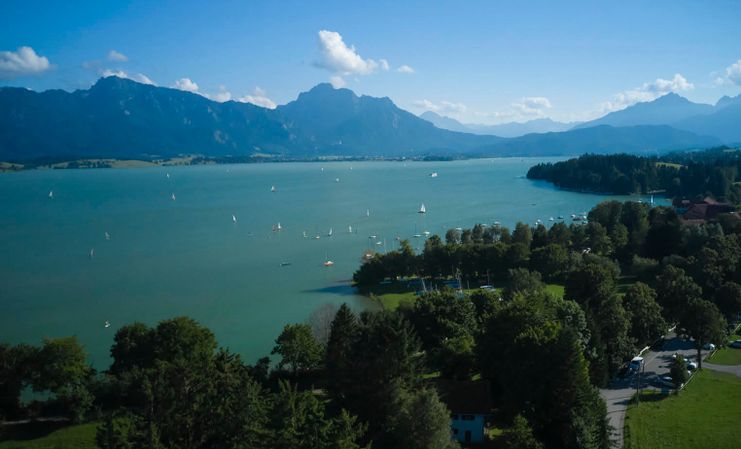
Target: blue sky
x=485, y=62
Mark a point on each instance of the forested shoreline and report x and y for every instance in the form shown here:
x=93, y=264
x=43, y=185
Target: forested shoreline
x=714, y=173
x=346, y=380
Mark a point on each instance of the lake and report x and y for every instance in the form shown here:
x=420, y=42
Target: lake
x=188, y=256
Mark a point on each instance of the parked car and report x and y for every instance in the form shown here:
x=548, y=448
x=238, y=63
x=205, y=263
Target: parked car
x=735, y=344
x=665, y=381
x=635, y=365
x=709, y=347
x=691, y=366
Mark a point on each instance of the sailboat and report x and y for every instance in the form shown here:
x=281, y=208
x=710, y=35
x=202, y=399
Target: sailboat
x=349, y=229
x=92, y=252
x=327, y=262
x=107, y=324
x=305, y=236
x=422, y=209
x=107, y=235
x=168, y=175
x=652, y=200
x=272, y=188
x=433, y=174
x=51, y=194
x=234, y=219
x=416, y=234
x=329, y=234
x=173, y=197
x=336, y=179
x=367, y=212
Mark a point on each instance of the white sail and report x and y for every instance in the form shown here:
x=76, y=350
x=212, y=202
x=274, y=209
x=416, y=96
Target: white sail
x=272, y=188
x=107, y=235
x=173, y=197
x=329, y=234
x=51, y=194
x=422, y=209
x=234, y=219
x=349, y=229
x=367, y=212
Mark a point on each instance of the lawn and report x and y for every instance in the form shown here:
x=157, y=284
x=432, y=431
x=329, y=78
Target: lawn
x=705, y=415
x=727, y=355
x=44, y=436
x=555, y=289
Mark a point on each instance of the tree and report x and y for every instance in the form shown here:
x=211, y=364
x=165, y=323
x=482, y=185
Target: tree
x=16, y=370
x=420, y=421
x=589, y=282
x=646, y=323
x=728, y=300
x=133, y=346
x=61, y=368
x=320, y=322
x=678, y=371
x=342, y=338
x=452, y=236
x=522, y=234
x=674, y=291
x=552, y=261
x=702, y=321
x=298, y=348
x=520, y=436
x=115, y=432
x=522, y=282
x=438, y=316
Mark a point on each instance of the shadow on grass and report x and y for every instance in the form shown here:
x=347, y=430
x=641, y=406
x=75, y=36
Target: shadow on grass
x=29, y=431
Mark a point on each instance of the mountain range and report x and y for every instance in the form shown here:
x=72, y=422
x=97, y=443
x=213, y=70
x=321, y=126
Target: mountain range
x=513, y=129
x=121, y=118
x=722, y=120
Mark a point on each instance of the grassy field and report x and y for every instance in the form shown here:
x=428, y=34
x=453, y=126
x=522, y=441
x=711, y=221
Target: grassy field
x=727, y=356
x=42, y=436
x=669, y=164
x=705, y=415
x=555, y=289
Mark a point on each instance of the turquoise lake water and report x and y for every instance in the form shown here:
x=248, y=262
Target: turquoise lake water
x=187, y=256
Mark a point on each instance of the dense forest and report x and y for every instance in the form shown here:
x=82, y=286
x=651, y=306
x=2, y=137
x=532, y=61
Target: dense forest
x=344, y=380
x=715, y=172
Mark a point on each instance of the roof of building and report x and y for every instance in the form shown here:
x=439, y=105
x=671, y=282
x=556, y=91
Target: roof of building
x=472, y=397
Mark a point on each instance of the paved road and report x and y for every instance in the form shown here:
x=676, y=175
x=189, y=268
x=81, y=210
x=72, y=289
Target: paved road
x=618, y=393
x=731, y=369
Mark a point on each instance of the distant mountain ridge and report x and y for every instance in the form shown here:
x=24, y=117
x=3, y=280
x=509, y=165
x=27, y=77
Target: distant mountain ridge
x=722, y=120
x=121, y=118
x=513, y=129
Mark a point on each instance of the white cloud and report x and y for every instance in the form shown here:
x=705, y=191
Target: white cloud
x=21, y=62
x=532, y=105
x=732, y=75
x=221, y=96
x=647, y=92
x=116, y=56
x=259, y=97
x=441, y=107
x=385, y=66
x=186, y=84
x=138, y=77
x=337, y=57
x=405, y=69
x=337, y=82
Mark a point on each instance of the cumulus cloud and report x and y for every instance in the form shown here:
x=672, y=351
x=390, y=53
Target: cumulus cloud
x=259, y=97
x=221, y=96
x=337, y=57
x=441, y=107
x=337, y=81
x=532, y=105
x=405, y=69
x=23, y=61
x=186, y=84
x=647, y=92
x=731, y=76
x=116, y=56
x=385, y=66
x=138, y=77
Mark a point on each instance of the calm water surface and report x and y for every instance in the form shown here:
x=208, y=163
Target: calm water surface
x=188, y=257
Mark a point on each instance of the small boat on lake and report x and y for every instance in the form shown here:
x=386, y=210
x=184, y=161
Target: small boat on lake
x=349, y=229
x=234, y=219
x=173, y=197
x=285, y=264
x=107, y=235
x=367, y=212
x=92, y=252
x=107, y=324
x=336, y=179
x=329, y=234
x=422, y=209
x=433, y=174
x=51, y=194
x=272, y=188
x=277, y=228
